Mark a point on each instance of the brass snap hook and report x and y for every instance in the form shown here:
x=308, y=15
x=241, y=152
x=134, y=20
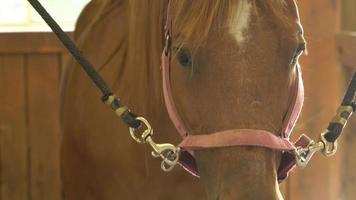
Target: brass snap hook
x=330, y=148
x=167, y=152
x=148, y=131
x=304, y=155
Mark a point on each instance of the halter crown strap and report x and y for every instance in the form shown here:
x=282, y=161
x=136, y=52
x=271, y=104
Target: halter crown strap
x=165, y=60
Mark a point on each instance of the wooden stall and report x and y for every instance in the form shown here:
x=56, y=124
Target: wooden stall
x=323, y=80
x=30, y=70
x=347, y=48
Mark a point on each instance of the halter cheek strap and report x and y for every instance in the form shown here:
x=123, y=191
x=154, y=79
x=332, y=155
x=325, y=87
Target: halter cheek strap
x=227, y=138
x=168, y=99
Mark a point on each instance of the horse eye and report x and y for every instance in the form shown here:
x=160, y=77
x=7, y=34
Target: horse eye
x=184, y=57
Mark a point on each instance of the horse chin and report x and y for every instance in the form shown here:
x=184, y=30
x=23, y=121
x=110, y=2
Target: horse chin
x=239, y=173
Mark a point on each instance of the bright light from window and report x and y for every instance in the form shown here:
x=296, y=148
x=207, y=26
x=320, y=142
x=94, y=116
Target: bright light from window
x=19, y=16
x=13, y=11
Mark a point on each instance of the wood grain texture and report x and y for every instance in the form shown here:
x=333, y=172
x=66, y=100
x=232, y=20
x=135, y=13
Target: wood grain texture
x=347, y=43
x=348, y=15
x=348, y=174
x=347, y=48
x=44, y=132
x=323, y=92
x=30, y=42
x=13, y=135
x=30, y=66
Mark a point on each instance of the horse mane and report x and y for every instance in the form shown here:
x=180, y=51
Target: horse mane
x=145, y=31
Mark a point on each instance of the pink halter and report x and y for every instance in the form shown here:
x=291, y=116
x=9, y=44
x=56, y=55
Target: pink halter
x=240, y=137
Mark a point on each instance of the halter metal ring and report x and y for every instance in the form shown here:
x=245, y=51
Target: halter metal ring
x=329, y=148
x=147, y=132
x=167, y=166
x=168, y=152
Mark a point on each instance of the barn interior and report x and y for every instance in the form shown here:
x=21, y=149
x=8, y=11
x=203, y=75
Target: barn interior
x=32, y=62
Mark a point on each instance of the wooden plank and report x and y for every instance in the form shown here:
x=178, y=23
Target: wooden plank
x=323, y=90
x=30, y=42
x=348, y=145
x=44, y=135
x=349, y=142
x=347, y=48
x=65, y=58
x=283, y=187
x=348, y=15
x=13, y=135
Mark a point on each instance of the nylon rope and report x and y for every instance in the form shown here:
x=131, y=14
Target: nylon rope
x=127, y=116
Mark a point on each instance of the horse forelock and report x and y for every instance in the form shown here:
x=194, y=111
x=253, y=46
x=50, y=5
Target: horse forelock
x=239, y=26
x=192, y=19
x=196, y=19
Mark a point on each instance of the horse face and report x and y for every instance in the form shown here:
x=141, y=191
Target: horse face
x=232, y=68
x=240, y=75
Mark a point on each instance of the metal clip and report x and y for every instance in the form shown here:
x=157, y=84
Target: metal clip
x=168, y=152
x=329, y=148
x=303, y=155
x=147, y=132
x=167, y=44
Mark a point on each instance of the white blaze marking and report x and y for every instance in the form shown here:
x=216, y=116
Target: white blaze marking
x=241, y=20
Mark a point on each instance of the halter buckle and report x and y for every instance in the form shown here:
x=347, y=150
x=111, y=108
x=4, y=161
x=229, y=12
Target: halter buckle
x=167, y=44
x=168, y=152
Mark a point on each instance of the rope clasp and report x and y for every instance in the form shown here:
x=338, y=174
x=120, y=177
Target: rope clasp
x=167, y=152
x=304, y=155
x=330, y=148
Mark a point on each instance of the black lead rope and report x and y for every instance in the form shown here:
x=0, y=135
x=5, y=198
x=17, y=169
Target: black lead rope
x=126, y=115
x=348, y=106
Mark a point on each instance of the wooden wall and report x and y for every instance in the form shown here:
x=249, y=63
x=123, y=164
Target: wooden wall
x=348, y=15
x=30, y=70
x=348, y=190
x=323, y=90
x=347, y=49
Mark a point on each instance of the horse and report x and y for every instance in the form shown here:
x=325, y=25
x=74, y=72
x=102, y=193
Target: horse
x=233, y=66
